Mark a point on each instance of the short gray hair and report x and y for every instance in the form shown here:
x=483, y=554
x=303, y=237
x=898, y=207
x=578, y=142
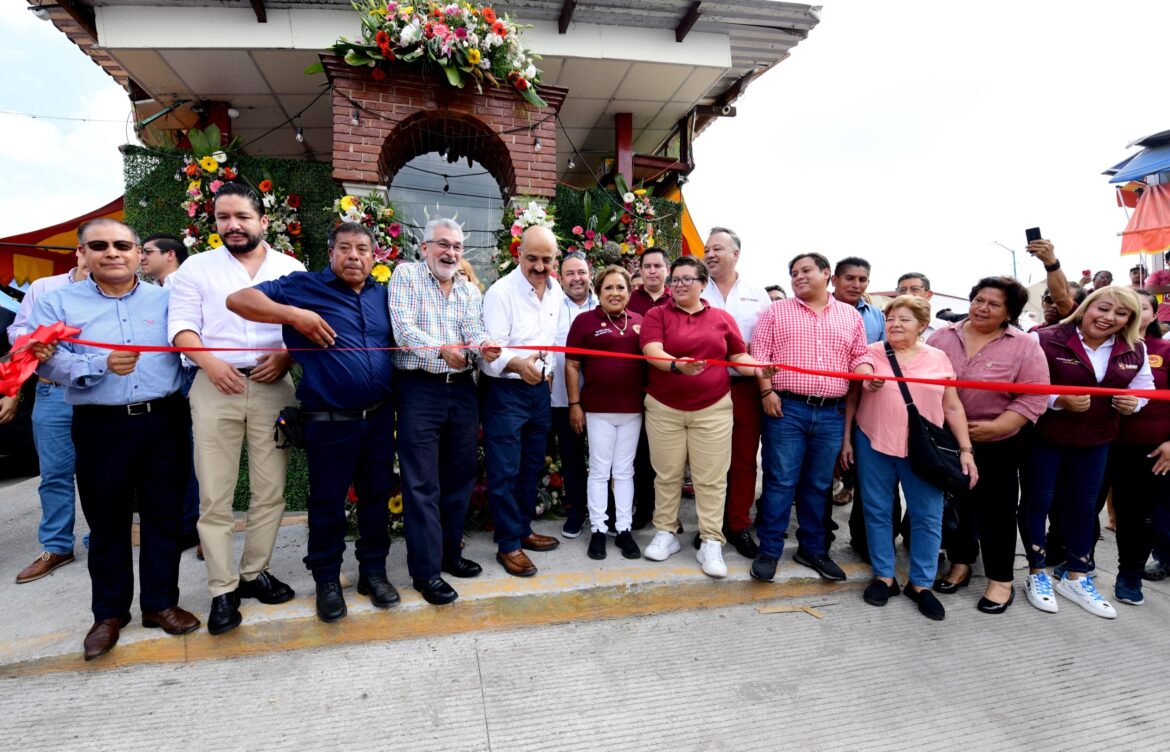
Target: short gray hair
x=730, y=233
x=448, y=223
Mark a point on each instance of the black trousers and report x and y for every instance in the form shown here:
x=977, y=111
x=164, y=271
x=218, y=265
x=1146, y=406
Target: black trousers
x=987, y=513
x=644, y=476
x=571, y=446
x=437, y=422
x=339, y=453
x=120, y=458
x=1141, y=501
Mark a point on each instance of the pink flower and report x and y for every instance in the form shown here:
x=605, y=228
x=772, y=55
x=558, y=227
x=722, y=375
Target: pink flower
x=214, y=185
x=577, y=230
x=394, y=229
x=571, y=249
x=589, y=234
x=460, y=33
x=517, y=230
x=588, y=245
x=191, y=210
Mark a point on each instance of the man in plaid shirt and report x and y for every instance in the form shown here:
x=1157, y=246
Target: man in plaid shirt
x=804, y=415
x=436, y=313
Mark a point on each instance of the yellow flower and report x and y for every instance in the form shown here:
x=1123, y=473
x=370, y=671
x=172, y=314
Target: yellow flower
x=348, y=202
x=209, y=164
x=473, y=56
x=395, y=505
x=195, y=185
x=625, y=248
x=407, y=10
x=640, y=192
x=214, y=240
x=381, y=273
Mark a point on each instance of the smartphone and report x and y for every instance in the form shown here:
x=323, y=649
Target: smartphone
x=1032, y=233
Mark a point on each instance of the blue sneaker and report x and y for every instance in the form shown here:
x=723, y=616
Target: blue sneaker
x=1060, y=570
x=1038, y=588
x=1128, y=589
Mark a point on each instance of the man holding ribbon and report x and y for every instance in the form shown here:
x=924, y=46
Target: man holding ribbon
x=131, y=429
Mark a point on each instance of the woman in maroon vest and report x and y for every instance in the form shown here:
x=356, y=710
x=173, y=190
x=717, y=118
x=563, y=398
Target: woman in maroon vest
x=1139, y=463
x=1098, y=345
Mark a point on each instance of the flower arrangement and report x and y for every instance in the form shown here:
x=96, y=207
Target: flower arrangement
x=470, y=42
x=636, y=224
x=550, y=491
x=284, y=226
x=523, y=216
x=390, y=240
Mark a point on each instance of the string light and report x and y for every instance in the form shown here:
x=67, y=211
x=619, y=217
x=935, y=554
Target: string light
x=446, y=185
x=354, y=119
x=572, y=163
x=536, y=145
x=300, y=135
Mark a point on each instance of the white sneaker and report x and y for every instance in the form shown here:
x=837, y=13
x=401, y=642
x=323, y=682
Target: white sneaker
x=1038, y=588
x=662, y=547
x=710, y=555
x=1084, y=593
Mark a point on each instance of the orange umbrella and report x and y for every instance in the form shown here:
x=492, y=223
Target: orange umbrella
x=1149, y=227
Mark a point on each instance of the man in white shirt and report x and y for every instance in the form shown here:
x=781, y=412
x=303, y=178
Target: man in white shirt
x=745, y=301
x=523, y=308
x=52, y=421
x=162, y=255
x=235, y=394
x=578, y=298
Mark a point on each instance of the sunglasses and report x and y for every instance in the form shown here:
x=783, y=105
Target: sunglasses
x=101, y=245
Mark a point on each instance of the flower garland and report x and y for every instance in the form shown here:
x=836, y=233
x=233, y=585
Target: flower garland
x=284, y=226
x=470, y=42
x=389, y=239
x=636, y=231
x=522, y=217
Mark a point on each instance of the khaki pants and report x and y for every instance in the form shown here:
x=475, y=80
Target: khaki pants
x=704, y=438
x=221, y=422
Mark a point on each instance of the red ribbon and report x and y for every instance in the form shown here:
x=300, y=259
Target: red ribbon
x=20, y=362
x=66, y=334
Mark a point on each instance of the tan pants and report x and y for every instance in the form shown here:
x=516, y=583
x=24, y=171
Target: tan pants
x=704, y=438
x=221, y=422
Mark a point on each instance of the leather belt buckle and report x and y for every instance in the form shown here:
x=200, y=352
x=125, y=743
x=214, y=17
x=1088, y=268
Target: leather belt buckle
x=138, y=408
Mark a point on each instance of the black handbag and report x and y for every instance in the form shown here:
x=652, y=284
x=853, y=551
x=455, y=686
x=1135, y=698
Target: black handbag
x=289, y=431
x=933, y=450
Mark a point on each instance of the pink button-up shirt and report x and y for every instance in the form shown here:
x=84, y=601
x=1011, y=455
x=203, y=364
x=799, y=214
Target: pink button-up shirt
x=881, y=415
x=791, y=333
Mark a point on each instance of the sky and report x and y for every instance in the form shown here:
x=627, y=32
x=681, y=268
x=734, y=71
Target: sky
x=912, y=134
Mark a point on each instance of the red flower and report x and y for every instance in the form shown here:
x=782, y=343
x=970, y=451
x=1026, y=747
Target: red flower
x=382, y=38
x=351, y=496
x=192, y=170
x=394, y=252
x=626, y=219
x=229, y=173
x=515, y=251
x=293, y=201
x=294, y=228
x=428, y=30
x=265, y=186
x=499, y=29
x=209, y=206
x=193, y=231
x=489, y=16
x=555, y=481
x=378, y=74
x=521, y=83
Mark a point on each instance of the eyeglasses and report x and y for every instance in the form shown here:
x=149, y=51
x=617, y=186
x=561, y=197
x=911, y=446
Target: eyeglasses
x=447, y=245
x=1046, y=300
x=683, y=280
x=910, y=290
x=101, y=245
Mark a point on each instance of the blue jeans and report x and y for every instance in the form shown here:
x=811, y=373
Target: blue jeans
x=517, y=418
x=1081, y=471
x=879, y=474
x=800, y=450
x=52, y=422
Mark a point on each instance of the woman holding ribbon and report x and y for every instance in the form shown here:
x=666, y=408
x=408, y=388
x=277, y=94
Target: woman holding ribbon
x=1139, y=467
x=1098, y=345
x=987, y=346
x=609, y=403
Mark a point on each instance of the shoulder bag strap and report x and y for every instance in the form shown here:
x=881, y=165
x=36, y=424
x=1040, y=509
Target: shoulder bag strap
x=898, y=372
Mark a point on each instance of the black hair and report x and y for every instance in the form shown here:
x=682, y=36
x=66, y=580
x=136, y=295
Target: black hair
x=350, y=228
x=699, y=267
x=168, y=244
x=821, y=262
x=1155, y=327
x=849, y=261
x=655, y=249
x=1015, y=295
x=243, y=191
x=915, y=275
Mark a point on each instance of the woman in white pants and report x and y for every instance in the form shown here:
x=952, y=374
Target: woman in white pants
x=605, y=396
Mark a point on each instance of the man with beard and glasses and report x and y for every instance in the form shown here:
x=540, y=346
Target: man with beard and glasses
x=338, y=322
x=235, y=394
x=434, y=310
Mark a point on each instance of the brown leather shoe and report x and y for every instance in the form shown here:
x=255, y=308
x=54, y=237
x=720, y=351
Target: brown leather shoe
x=103, y=636
x=537, y=542
x=173, y=620
x=517, y=563
x=199, y=552
x=41, y=566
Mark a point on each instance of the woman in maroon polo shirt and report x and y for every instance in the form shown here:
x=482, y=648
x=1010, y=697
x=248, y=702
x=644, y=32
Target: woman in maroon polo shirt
x=1099, y=344
x=609, y=403
x=688, y=410
x=1139, y=464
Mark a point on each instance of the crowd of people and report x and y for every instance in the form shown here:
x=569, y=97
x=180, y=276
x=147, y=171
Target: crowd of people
x=678, y=377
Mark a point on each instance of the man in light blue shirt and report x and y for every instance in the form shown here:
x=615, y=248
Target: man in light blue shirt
x=131, y=430
x=850, y=281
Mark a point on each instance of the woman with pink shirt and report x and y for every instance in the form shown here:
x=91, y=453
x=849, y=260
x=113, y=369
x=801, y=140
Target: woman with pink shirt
x=878, y=445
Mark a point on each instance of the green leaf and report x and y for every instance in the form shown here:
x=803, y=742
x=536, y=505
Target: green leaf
x=453, y=76
x=317, y=67
x=588, y=207
x=622, y=187
x=356, y=57
x=411, y=56
x=532, y=97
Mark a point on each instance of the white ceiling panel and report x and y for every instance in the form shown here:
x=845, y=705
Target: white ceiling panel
x=652, y=81
x=594, y=79
x=225, y=70
x=285, y=70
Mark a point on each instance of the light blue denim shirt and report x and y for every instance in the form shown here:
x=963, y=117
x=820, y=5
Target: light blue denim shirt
x=137, y=318
x=874, y=320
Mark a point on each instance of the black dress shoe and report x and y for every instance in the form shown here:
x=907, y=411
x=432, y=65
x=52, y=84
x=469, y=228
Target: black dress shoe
x=878, y=593
x=698, y=542
x=989, y=606
x=743, y=543
x=950, y=588
x=435, y=591
x=764, y=568
x=627, y=545
x=382, y=593
x=330, y=602
x=463, y=568
x=597, y=545
x=225, y=613
x=266, y=589
x=824, y=566
x=928, y=605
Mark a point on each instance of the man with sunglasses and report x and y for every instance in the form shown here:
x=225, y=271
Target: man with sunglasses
x=236, y=393
x=436, y=311
x=131, y=428
x=52, y=419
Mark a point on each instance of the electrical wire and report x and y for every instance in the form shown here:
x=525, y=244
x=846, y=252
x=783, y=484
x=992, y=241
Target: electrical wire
x=33, y=116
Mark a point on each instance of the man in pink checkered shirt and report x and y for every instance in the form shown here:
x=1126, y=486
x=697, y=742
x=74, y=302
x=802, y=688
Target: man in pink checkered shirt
x=804, y=415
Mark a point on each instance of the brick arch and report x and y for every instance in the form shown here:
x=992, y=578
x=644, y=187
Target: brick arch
x=454, y=135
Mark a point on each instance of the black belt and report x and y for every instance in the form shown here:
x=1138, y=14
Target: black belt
x=812, y=400
x=132, y=409
x=247, y=371
x=450, y=377
x=314, y=417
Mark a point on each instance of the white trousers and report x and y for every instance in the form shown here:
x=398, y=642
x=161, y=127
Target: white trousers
x=613, y=442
